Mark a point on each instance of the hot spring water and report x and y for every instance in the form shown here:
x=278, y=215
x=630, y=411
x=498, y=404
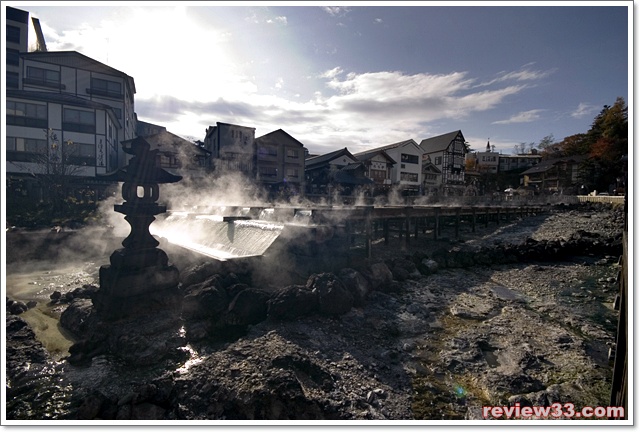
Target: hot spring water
x=210, y=235
x=37, y=282
x=216, y=237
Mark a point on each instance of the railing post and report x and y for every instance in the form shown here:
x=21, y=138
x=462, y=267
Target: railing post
x=473, y=219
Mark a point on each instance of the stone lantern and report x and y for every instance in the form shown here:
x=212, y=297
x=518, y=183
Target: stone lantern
x=139, y=279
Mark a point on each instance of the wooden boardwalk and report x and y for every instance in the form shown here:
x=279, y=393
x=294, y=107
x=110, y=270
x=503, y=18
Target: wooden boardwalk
x=406, y=221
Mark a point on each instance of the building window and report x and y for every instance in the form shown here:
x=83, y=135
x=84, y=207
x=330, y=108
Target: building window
x=43, y=77
x=79, y=121
x=410, y=177
x=25, y=149
x=13, y=34
x=378, y=175
x=168, y=160
x=407, y=158
x=292, y=173
x=102, y=87
x=438, y=160
x=267, y=151
x=268, y=172
x=13, y=80
x=292, y=153
x=13, y=57
x=80, y=154
x=26, y=114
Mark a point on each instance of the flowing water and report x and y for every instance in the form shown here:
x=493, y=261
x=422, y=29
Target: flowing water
x=36, y=283
x=218, y=238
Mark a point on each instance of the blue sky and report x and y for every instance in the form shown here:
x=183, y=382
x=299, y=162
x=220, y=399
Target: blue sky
x=357, y=75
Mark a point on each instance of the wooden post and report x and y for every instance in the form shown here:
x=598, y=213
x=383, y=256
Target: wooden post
x=473, y=219
x=457, y=222
x=486, y=217
x=436, y=223
x=385, y=229
x=407, y=221
x=368, y=229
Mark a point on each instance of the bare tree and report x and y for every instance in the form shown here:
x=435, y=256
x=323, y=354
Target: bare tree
x=53, y=168
x=520, y=148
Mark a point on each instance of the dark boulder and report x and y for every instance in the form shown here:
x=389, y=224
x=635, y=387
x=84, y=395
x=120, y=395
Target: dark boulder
x=404, y=269
x=248, y=307
x=356, y=284
x=199, y=273
x=76, y=317
x=333, y=296
x=292, y=302
x=205, y=300
x=379, y=276
x=16, y=307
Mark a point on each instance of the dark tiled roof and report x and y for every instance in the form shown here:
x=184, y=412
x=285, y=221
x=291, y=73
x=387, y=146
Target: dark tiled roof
x=391, y=146
x=549, y=163
x=439, y=142
x=318, y=160
x=345, y=177
x=351, y=167
x=274, y=135
x=364, y=156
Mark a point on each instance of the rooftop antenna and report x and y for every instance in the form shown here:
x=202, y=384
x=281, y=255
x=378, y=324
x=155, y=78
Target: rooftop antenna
x=42, y=46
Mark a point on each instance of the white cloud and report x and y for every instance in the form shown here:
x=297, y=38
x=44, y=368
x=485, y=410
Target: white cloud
x=365, y=111
x=584, y=110
x=279, y=19
x=336, y=10
x=378, y=20
x=522, y=117
x=189, y=86
x=177, y=67
x=524, y=74
x=331, y=73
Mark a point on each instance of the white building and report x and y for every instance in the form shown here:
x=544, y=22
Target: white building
x=485, y=162
x=79, y=100
x=63, y=109
x=407, y=171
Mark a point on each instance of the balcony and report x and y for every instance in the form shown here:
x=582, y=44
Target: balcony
x=105, y=93
x=43, y=83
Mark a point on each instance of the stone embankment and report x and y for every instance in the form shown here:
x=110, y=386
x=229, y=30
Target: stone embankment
x=520, y=313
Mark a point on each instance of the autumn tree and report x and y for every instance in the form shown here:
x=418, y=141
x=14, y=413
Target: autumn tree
x=574, y=145
x=608, y=138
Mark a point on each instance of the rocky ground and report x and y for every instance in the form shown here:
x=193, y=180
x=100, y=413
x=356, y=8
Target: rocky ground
x=456, y=326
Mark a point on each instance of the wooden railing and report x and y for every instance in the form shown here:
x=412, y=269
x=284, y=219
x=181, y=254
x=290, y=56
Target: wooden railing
x=602, y=199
